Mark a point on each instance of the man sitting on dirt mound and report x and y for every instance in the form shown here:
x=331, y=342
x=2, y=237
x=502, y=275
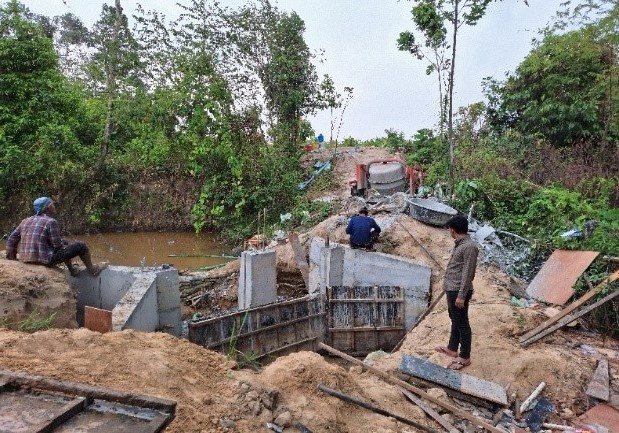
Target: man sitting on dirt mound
x=363, y=230
x=37, y=240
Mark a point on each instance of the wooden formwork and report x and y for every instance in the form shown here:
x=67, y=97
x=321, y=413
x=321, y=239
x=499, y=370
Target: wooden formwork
x=363, y=319
x=34, y=404
x=272, y=329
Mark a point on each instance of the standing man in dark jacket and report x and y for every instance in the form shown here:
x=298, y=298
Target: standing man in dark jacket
x=37, y=240
x=363, y=230
x=458, y=286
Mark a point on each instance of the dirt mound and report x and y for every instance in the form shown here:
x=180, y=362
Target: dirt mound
x=31, y=293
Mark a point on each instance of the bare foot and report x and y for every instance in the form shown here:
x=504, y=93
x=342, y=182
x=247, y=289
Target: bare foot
x=445, y=351
x=459, y=363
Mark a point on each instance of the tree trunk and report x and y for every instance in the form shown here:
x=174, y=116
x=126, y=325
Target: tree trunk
x=110, y=88
x=450, y=137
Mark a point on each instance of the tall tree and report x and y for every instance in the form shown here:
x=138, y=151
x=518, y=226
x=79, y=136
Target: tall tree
x=436, y=20
x=114, y=67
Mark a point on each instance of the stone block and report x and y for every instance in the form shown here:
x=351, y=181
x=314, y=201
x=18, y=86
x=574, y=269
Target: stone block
x=258, y=279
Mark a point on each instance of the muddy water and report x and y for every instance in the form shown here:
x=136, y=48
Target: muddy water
x=182, y=249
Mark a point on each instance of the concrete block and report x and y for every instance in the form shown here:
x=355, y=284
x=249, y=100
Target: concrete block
x=168, y=292
x=170, y=321
x=102, y=291
x=258, y=279
x=138, y=308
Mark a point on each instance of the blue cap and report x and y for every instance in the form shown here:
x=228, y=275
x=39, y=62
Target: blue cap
x=40, y=204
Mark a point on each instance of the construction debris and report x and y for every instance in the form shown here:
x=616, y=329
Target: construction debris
x=599, y=387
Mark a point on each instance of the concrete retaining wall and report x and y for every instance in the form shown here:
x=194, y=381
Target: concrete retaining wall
x=339, y=265
x=146, y=300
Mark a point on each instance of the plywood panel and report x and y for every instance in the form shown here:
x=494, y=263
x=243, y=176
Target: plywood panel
x=553, y=283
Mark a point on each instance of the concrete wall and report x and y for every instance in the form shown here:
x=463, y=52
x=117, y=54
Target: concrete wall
x=145, y=300
x=339, y=265
x=257, y=279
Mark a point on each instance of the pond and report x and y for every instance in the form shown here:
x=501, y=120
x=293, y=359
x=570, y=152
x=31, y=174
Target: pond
x=183, y=250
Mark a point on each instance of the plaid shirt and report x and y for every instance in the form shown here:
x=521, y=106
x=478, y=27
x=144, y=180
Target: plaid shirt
x=461, y=267
x=35, y=239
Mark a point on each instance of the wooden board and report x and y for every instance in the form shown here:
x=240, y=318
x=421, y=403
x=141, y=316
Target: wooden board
x=453, y=379
x=97, y=319
x=553, y=283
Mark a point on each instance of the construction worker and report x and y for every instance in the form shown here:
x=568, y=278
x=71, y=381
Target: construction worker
x=37, y=240
x=363, y=230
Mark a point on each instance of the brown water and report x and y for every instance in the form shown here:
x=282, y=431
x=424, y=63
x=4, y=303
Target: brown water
x=180, y=249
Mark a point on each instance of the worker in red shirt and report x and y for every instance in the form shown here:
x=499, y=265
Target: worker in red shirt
x=37, y=240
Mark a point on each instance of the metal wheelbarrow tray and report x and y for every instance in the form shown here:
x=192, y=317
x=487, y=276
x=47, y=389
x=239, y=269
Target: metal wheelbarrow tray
x=430, y=211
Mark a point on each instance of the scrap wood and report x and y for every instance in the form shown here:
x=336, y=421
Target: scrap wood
x=299, y=257
x=389, y=378
x=590, y=294
x=525, y=405
x=373, y=408
x=27, y=381
x=431, y=412
x=571, y=318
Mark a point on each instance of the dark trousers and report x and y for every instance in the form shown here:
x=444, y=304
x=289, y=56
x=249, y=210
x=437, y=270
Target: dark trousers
x=460, y=336
x=67, y=252
x=369, y=246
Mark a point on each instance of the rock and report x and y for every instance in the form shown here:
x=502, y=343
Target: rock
x=284, y=419
x=252, y=396
x=227, y=423
x=244, y=387
x=375, y=356
x=356, y=369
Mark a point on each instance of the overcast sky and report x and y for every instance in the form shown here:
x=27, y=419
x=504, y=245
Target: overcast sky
x=391, y=89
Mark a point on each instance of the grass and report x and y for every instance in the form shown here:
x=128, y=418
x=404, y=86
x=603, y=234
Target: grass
x=242, y=359
x=34, y=323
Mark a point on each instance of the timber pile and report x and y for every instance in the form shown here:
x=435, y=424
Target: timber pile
x=198, y=288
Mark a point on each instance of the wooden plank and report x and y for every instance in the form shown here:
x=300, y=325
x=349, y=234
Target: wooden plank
x=27, y=381
x=570, y=318
x=599, y=387
x=67, y=412
x=366, y=301
x=368, y=329
x=373, y=408
x=574, y=305
x=299, y=257
x=431, y=412
x=453, y=379
x=389, y=378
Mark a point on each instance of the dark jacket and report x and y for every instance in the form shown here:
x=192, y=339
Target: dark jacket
x=360, y=228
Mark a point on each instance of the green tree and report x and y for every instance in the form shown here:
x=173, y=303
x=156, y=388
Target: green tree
x=563, y=90
x=437, y=20
x=40, y=113
x=113, y=68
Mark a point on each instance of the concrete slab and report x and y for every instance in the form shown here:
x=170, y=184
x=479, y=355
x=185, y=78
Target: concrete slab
x=553, y=283
x=599, y=387
x=453, y=379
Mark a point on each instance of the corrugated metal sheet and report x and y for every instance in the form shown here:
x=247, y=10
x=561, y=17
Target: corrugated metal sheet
x=553, y=283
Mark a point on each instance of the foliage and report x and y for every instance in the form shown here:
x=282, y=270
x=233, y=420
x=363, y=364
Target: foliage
x=41, y=130
x=560, y=90
x=431, y=18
